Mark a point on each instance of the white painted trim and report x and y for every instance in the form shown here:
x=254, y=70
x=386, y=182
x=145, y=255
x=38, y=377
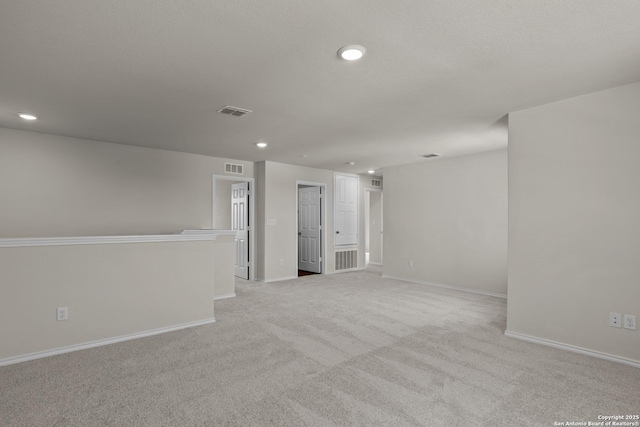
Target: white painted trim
x=99, y=343
x=347, y=270
x=440, y=285
x=323, y=221
x=224, y=296
x=252, y=215
x=214, y=232
x=573, y=348
x=375, y=263
x=102, y=240
x=277, y=279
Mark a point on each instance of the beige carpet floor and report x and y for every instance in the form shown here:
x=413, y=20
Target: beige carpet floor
x=349, y=349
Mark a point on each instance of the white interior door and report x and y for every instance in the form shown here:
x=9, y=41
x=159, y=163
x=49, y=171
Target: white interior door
x=240, y=224
x=346, y=210
x=309, y=229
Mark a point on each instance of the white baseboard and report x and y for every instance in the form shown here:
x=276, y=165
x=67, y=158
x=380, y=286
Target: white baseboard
x=278, y=279
x=440, y=285
x=98, y=343
x=374, y=263
x=346, y=270
x=224, y=296
x=573, y=348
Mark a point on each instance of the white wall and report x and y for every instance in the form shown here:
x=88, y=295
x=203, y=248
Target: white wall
x=277, y=183
x=574, y=215
x=448, y=216
x=111, y=291
x=222, y=205
x=375, y=227
x=224, y=260
x=260, y=232
x=58, y=186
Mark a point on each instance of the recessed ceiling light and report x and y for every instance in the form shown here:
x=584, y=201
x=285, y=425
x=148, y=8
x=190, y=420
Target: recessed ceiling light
x=27, y=116
x=351, y=52
x=261, y=144
x=371, y=171
x=304, y=156
x=350, y=163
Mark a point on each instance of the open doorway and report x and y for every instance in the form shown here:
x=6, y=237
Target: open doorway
x=373, y=227
x=233, y=209
x=310, y=220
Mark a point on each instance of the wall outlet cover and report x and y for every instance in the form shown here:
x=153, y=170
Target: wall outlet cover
x=629, y=321
x=615, y=320
x=62, y=313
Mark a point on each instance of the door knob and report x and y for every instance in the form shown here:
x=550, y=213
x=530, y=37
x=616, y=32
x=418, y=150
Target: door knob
x=299, y=233
x=337, y=232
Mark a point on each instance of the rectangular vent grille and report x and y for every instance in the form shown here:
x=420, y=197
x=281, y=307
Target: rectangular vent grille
x=234, y=111
x=346, y=259
x=233, y=168
x=376, y=183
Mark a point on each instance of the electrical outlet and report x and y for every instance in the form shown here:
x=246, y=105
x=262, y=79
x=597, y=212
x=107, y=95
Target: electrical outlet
x=615, y=320
x=62, y=313
x=410, y=264
x=629, y=321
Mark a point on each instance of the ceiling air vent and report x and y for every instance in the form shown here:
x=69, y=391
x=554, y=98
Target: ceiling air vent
x=233, y=168
x=430, y=156
x=376, y=183
x=234, y=111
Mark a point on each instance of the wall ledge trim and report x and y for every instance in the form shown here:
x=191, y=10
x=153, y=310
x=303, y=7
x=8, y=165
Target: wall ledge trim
x=573, y=348
x=99, y=343
x=224, y=296
x=209, y=232
x=101, y=240
x=440, y=285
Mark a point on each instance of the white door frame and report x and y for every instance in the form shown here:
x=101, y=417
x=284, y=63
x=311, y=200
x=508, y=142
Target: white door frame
x=252, y=215
x=323, y=222
x=368, y=220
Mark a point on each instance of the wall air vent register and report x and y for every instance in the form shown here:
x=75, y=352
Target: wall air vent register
x=234, y=168
x=234, y=111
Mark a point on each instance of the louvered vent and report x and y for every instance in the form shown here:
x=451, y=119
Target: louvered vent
x=430, y=156
x=376, y=183
x=346, y=259
x=233, y=168
x=234, y=111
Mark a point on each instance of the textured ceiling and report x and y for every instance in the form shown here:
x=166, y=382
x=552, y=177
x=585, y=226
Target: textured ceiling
x=439, y=75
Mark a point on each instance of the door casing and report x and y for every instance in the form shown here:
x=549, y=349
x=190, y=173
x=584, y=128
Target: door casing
x=252, y=215
x=239, y=223
x=309, y=228
x=323, y=220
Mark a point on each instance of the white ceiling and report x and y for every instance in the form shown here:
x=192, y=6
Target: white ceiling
x=438, y=76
